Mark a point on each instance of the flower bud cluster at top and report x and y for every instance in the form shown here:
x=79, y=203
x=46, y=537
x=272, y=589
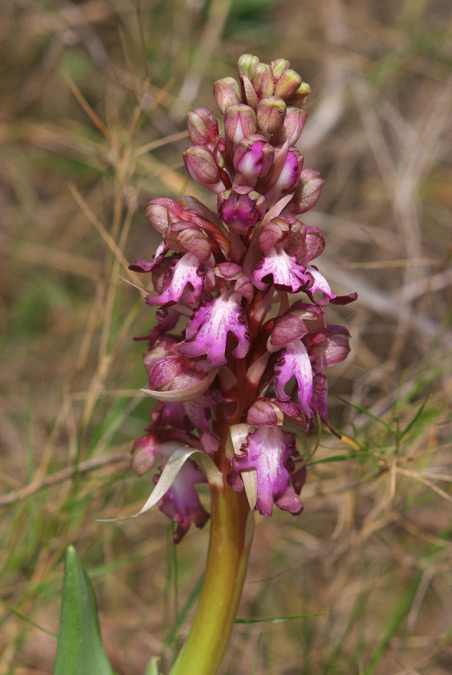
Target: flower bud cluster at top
x=234, y=352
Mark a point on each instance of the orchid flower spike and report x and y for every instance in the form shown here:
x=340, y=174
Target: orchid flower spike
x=242, y=343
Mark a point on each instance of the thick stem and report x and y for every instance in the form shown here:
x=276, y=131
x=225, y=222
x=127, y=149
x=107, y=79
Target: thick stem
x=231, y=532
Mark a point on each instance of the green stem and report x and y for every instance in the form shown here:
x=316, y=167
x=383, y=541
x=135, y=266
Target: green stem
x=231, y=532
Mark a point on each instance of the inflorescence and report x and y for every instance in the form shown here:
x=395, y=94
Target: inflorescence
x=235, y=351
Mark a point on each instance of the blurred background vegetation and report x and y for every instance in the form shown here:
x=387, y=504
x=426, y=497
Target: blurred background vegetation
x=94, y=95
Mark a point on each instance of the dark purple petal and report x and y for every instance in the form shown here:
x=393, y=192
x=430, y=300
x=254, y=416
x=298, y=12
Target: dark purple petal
x=141, y=265
x=196, y=411
x=320, y=284
x=181, y=502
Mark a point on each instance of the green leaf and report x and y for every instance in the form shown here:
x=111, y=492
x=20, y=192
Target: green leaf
x=152, y=667
x=80, y=650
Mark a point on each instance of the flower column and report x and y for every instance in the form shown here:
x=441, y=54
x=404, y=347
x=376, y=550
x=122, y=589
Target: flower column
x=231, y=357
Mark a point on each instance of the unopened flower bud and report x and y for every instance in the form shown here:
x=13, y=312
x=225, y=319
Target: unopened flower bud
x=270, y=412
x=202, y=127
x=145, y=452
x=279, y=66
x=253, y=158
x=287, y=84
x=307, y=193
x=226, y=92
x=202, y=168
x=157, y=214
x=163, y=347
x=193, y=240
x=270, y=114
x=291, y=129
x=290, y=173
x=174, y=372
x=241, y=208
x=239, y=121
x=262, y=80
x=246, y=63
x=299, y=97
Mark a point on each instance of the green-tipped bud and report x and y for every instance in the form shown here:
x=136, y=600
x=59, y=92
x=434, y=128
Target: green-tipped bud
x=270, y=113
x=302, y=93
x=279, y=66
x=202, y=127
x=287, y=84
x=226, y=92
x=262, y=80
x=246, y=63
x=202, y=168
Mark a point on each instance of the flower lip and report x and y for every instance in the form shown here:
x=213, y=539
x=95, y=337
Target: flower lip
x=208, y=330
x=269, y=452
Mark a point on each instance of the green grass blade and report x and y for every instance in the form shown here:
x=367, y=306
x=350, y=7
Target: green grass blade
x=15, y=611
x=80, y=648
x=281, y=619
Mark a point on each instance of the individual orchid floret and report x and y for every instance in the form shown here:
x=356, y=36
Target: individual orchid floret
x=270, y=412
x=279, y=66
x=181, y=501
x=202, y=127
x=291, y=128
x=270, y=114
x=241, y=208
x=177, y=378
x=300, y=96
x=268, y=451
x=185, y=271
x=286, y=273
x=202, y=168
x=253, y=158
x=284, y=175
x=174, y=372
x=328, y=346
x=208, y=330
x=162, y=346
x=246, y=63
x=226, y=92
x=307, y=193
x=145, y=452
x=261, y=77
x=239, y=122
x=287, y=84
